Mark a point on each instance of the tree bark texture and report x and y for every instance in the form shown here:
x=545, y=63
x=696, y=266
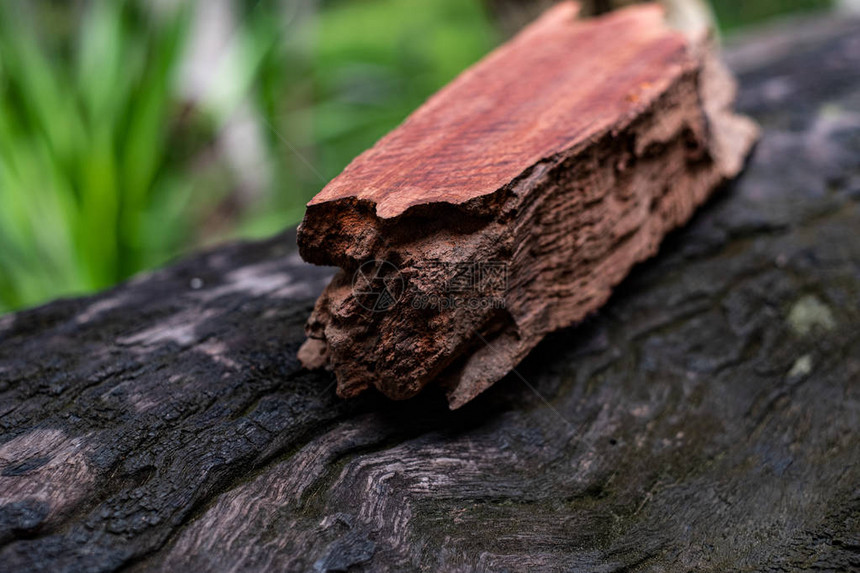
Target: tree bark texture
x=706, y=418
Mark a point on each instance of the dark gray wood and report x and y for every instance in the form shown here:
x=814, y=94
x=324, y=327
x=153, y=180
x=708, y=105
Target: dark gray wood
x=706, y=419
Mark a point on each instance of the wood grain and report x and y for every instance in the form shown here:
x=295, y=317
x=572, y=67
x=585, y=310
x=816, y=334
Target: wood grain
x=558, y=84
x=563, y=157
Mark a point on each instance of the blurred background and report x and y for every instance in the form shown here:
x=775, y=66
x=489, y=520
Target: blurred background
x=132, y=131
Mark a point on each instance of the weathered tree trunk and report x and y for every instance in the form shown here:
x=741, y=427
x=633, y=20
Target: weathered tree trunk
x=706, y=419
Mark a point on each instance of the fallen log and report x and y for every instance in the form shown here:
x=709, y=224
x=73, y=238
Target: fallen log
x=707, y=418
x=513, y=201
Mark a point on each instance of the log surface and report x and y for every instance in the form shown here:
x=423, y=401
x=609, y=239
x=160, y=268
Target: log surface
x=707, y=418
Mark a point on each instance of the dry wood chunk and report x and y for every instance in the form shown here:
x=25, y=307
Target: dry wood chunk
x=513, y=201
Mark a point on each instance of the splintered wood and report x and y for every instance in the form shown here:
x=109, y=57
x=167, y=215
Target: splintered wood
x=513, y=201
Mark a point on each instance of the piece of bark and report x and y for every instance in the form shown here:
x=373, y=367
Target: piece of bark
x=563, y=158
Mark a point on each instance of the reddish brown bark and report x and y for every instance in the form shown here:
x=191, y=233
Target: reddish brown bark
x=513, y=201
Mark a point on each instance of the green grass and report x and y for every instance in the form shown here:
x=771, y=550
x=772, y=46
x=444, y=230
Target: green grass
x=85, y=177
x=734, y=14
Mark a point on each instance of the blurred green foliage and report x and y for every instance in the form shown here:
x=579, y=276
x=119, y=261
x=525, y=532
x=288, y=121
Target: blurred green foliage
x=85, y=178
x=107, y=167
x=734, y=14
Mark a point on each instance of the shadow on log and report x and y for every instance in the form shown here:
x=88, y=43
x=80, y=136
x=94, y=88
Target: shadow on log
x=706, y=419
